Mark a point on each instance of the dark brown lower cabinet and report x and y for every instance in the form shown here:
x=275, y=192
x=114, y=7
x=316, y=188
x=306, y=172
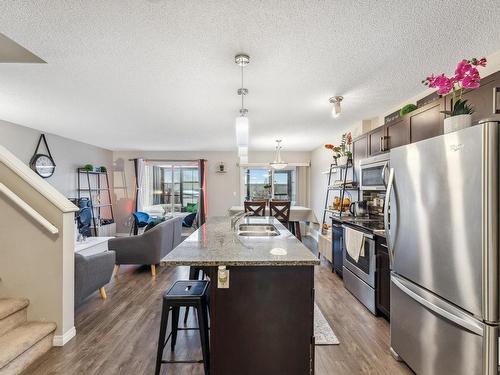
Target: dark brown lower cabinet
x=383, y=279
x=263, y=323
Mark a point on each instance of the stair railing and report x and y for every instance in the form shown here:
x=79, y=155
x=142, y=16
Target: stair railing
x=30, y=211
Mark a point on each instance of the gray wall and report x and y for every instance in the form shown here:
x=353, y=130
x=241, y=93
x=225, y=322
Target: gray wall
x=67, y=154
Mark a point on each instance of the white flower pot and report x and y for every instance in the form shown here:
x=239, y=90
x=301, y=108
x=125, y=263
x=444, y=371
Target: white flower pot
x=454, y=123
x=342, y=160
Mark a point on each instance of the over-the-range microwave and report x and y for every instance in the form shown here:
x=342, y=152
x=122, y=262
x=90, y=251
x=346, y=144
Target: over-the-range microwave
x=373, y=172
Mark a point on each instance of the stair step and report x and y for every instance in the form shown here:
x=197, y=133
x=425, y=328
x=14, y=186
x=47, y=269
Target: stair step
x=20, y=339
x=10, y=306
x=13, y=320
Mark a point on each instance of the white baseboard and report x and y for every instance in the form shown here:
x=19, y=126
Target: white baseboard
x=60, y=340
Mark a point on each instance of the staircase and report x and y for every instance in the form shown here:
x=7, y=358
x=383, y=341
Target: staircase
x=21, y=341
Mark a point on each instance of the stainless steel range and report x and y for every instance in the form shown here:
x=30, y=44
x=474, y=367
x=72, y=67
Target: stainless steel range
x=359, y=275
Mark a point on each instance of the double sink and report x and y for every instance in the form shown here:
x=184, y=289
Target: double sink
x=258, y=230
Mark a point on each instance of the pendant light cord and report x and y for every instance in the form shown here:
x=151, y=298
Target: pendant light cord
x=242, y=93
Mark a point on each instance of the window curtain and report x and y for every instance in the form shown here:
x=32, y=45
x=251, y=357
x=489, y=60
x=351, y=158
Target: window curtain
x=139, y=167
x=157, y=182
x=143, y=177
x=302, y=198
x=202, y=200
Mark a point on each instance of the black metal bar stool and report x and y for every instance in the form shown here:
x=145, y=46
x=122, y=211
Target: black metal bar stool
x=185, y=293
x=194, y=274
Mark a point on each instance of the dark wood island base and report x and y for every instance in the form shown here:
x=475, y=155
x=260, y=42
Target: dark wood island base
x=263, y=323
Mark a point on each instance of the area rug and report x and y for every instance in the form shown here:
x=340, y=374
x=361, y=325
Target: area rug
x=323, y=333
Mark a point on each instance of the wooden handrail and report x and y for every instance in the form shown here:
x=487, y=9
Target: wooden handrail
x=35, y=181
x=28, y=209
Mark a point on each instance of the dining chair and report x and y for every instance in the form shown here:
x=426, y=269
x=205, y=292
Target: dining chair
x=257, y=208
x=281, y=211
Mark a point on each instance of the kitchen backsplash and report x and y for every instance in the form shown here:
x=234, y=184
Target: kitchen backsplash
x=375, y=201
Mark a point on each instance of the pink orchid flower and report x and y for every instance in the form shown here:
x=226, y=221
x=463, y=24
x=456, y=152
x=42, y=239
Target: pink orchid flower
x=442, y=83
x=472, y=80
x=462, y=69
x=466, y=77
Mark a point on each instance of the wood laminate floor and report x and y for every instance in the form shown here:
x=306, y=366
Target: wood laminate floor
x=119, y=335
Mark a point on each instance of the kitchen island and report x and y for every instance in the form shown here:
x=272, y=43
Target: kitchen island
x=261, y=322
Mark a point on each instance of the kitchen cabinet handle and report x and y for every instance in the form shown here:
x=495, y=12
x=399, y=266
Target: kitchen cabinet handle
x=381, y=148
x=496, y=105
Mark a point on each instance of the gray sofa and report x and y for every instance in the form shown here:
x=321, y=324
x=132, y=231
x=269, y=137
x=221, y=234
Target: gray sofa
x=92, y=272
x=150, y=247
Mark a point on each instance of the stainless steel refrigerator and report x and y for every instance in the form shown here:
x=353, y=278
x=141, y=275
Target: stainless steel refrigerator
x=441, y=218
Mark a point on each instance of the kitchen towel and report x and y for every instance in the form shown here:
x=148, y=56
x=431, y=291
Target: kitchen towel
x=354, y=241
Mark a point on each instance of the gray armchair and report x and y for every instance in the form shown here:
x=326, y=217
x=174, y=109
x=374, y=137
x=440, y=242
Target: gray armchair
x=149, y=247
x=92, y=273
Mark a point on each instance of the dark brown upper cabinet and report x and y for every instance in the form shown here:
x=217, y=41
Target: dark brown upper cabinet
x=427, y=121
x=359, y=152
x=485, y=99
x=398, y=133
x=376, y=141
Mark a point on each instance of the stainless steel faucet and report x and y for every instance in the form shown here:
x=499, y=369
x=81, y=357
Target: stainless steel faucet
x=237, y=217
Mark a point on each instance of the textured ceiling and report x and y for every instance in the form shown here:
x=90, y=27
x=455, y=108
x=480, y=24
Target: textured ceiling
x=159, y=75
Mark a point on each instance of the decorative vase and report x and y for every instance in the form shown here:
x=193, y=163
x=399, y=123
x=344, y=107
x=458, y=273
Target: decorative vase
x=454, y=123
x=342, y=160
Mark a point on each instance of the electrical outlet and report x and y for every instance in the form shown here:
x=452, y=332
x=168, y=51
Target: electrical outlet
x=223, y=278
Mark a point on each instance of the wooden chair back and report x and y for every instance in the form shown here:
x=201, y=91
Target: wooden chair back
x=257, y=208
x=280, y=210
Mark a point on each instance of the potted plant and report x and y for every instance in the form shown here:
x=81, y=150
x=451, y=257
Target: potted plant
x=466, y=77
x=342, y=154
x=88, y=168
x=407, y=109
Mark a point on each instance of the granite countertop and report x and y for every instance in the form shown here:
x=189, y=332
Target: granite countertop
x=215, y=243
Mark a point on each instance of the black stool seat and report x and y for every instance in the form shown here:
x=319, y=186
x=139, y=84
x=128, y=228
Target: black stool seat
x=187, y=289
x=185, y=293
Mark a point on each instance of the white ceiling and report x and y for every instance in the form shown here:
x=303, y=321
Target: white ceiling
x=159, y=74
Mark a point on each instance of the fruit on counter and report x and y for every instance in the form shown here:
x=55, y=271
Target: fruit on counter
x=346, y=204
x=336, y=203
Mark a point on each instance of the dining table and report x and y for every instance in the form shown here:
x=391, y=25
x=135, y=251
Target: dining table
x=298, y=214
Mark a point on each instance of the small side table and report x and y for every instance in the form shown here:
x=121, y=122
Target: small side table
x=92, y=245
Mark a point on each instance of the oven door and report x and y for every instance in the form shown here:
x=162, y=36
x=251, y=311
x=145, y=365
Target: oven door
x=364, y=268
x=373, y=176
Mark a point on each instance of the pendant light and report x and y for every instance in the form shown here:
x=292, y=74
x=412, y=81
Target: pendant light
x=242, y=125
x=337, y=109
x=278, y=163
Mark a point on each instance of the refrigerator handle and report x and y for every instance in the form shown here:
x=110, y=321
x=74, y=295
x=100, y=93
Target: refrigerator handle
x=466, y=322
x=390, y=184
